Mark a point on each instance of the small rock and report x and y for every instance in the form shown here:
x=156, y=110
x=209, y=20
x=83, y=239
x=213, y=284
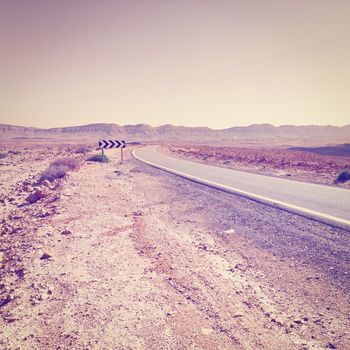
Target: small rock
x=55, y=198
x=43, y=213
x=230, y=231
x=45, y=256
x=46, y=183
x=206, y=331
x=6, y=300
x=66, y=232
x=43, y=296
x=36, y=195
x=20, y=273
x=331, y=346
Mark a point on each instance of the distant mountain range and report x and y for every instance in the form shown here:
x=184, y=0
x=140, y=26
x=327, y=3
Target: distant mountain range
x=256, y=133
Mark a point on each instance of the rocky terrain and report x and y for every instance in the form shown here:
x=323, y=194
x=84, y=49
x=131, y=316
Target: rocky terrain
x=298, y=165
x=128, y=257
x=256, y=134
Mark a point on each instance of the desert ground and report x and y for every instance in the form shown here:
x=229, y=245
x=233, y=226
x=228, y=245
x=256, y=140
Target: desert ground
x=126, y=256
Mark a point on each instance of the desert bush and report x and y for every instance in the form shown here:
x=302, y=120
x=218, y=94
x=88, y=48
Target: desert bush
x=82, y=150
x=3, y=155
x=69, y=162
x=343, y=176
x=59, y=168
x=101, y=158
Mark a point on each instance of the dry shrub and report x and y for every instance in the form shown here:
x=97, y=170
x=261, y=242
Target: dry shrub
x=343, y=176
x=100, y=158
x=82, y=150
x=59, y=169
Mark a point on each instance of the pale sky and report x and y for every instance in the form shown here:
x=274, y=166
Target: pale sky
x=215, y=63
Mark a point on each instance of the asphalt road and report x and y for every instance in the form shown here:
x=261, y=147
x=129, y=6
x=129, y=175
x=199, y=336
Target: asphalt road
x=324, y=203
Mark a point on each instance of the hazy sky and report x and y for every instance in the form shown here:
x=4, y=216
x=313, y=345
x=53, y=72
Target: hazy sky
x=215, y=63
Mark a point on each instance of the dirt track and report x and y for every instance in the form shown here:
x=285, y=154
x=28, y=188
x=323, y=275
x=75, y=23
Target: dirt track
x=144, y=260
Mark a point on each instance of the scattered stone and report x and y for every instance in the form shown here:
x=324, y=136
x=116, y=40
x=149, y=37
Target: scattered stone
x=230, y=231
x=45, y=256
x=43, y=296
x=20, y=273
x=46, y=183
x=36, y=195
x=9, y=320
x=34, y=300
x=331, y=346
x=6, y=229
x=43, y=213
x=66, y=231
x=55, y=198
x=202, y=246
x=206, y=331
x=6, y=300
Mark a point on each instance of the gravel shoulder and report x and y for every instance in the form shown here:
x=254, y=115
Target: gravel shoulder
x=142, y=259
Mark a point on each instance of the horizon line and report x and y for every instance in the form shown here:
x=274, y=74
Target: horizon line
x=168, y=124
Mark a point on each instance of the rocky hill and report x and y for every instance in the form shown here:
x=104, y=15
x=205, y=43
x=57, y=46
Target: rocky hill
x=287, y=134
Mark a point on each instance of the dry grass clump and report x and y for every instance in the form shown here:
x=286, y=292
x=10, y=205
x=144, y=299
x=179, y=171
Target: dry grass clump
x=59, y=169
x=82, y=150
x=100, y=158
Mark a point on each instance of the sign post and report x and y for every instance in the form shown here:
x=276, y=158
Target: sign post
x=106, y=144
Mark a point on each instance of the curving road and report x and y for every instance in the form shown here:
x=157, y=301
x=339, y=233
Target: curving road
x=323, y=203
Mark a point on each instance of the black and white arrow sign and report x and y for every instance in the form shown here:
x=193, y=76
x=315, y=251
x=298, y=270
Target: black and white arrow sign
x=111, y=144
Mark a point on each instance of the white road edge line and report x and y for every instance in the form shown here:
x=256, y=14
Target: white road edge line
x=325, y=218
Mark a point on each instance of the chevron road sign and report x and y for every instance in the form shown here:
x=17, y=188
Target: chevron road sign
x=103, y=144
